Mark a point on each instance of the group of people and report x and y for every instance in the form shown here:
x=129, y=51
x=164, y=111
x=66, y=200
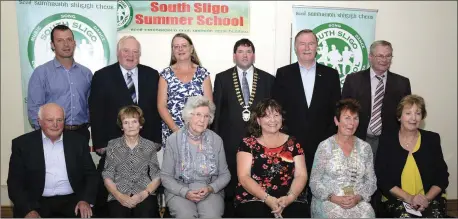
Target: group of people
x=293, y=145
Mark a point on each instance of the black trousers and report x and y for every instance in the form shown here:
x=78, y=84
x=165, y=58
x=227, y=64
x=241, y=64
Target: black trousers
x=229, y=209
x=84, y=131
x=58, y=206
x=147, y=209
x=257, y=209
x=100, y=208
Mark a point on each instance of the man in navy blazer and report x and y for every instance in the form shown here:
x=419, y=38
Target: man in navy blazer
x=51, y=172
x=124, y=83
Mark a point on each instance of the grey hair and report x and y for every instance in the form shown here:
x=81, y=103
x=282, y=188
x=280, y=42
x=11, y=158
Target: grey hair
x=195, y=102
x=124, y=38
x=40, y=110
x=380, y=43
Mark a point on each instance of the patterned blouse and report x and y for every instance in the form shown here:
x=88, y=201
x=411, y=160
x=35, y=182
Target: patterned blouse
x=271, y=168
x=131, y=169
x=178, y=93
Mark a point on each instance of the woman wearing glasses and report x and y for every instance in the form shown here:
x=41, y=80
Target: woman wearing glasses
x=185, y=77
x=194, y=169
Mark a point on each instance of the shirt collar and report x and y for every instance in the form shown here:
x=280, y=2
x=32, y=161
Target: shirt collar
x=57, y=64
x=44, y=137
x=249, y=71
x=124, y=71
x=373, y=73
x=311, y=69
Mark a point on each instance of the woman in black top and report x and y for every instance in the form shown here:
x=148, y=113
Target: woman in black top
x=410, y=168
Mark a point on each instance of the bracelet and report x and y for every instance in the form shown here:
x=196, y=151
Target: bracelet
x=290, y=192
x=265, y=198
x=330, y=196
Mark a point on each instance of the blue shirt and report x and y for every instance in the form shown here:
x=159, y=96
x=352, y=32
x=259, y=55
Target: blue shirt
x=308, y=81
x=51, y=82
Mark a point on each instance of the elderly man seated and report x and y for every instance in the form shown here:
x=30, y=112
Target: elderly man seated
x=51, y=173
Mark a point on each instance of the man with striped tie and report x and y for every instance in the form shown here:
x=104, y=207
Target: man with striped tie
x=124, y=83
x=379, y=91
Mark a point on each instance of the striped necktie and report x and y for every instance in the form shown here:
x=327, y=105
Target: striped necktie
x=245, y=89
x=376, y=117
x=131, y=87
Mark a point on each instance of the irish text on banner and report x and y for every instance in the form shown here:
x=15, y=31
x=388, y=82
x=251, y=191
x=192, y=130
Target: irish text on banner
x=227, y=17
x=344, y=36
x=93, y=24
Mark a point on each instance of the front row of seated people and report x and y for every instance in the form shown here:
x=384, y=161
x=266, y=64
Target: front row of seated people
x=51, y=173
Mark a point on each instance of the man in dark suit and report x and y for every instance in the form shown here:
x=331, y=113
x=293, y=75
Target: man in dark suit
x=308, y=92
x=51, y=172
x=379, y=91
x=236, y=89
x=113, y=87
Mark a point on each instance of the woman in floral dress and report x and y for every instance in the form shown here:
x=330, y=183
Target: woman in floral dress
x=184, y=78
x=271, y=168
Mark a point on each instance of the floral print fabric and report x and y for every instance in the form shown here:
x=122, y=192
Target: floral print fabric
x=271, y=168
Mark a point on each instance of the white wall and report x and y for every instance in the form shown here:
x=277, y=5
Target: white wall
x=423, y=34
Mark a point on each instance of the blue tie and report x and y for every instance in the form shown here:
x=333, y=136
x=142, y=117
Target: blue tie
x=131, y=87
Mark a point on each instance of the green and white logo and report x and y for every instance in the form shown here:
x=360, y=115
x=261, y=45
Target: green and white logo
x=342, y=48
x=125, y=14
x=92, y=48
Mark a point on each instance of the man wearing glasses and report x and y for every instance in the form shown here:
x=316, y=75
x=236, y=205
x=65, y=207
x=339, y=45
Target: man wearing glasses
x=379, y=91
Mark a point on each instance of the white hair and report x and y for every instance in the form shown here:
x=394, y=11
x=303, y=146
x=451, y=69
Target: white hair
x=124, y=38
x=195, y=102
x=40, y=110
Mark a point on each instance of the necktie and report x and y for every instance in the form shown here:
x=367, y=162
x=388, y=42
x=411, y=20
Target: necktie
x=245, y=89
x=376, y=117
x=131, y=87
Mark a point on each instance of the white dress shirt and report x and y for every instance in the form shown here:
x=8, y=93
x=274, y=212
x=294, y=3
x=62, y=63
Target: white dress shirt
x=134, y=78
x=249, y=77
x=374, y=83
x=56, y=178
x=308, y=81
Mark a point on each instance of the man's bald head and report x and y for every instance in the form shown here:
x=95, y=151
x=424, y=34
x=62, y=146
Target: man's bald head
x=51, y=119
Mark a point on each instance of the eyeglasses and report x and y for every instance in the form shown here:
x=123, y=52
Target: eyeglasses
x=177, y=47
x=380, y=57
x=200, y=115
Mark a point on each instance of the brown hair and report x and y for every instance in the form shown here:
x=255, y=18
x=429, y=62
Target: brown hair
x=411, y=100
x=260, y=111
x=349, y=104
x=194, y=57
x=130, y=111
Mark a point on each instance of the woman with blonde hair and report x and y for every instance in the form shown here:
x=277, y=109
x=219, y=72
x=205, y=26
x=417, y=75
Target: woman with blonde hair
x=185, y=77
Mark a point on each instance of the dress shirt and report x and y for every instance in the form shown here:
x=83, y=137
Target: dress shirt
x=249, y=77
x=131, y=169
x=308, y=81
x=134, y=78
x=56, y=177
x=69, y=88
x=374, y=83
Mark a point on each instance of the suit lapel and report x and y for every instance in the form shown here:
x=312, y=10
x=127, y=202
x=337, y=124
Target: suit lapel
x=366, y=91
x=388, y=89
x=39, y=154
x=318, y=85
x=141, y=86
x=297, y=82
x=69, y=161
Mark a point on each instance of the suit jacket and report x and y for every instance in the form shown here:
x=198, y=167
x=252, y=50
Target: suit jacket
x=109, y=93
x=27, y=170
x=228, y=122
x=309, y=124
x=358, y=86
x=429, y=159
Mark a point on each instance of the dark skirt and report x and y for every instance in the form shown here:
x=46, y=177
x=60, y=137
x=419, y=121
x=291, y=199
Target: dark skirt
x=436, y=209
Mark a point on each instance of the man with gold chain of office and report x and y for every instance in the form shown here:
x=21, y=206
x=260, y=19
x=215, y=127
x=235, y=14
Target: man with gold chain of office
x=236, y=91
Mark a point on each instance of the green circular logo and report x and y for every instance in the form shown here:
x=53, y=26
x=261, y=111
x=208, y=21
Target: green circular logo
x=92, y=48
x=125, y=14
x=342, y=48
